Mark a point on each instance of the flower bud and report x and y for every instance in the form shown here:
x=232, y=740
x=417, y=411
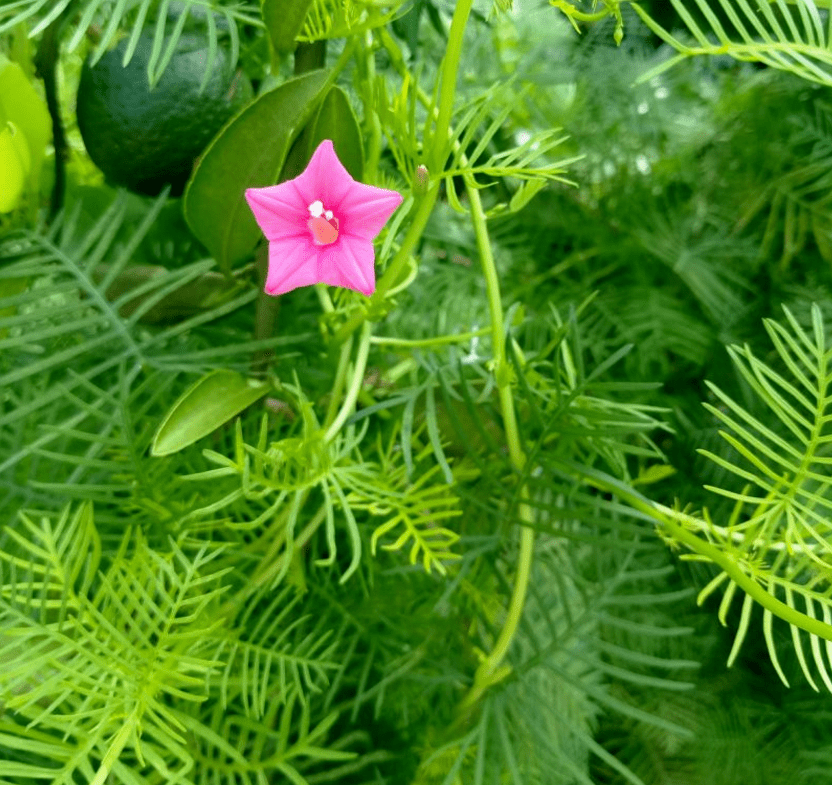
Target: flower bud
x=421, y=179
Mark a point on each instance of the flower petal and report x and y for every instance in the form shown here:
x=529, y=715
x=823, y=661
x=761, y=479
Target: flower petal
x=366, y=209
x=292, y=263
x=350, y=263
x=278, y=210
x=324, y=179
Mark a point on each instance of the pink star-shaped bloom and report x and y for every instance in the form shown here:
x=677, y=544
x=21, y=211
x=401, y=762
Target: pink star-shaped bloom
x=321, y=226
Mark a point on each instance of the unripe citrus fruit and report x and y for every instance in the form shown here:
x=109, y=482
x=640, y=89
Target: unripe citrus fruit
x=146, y=138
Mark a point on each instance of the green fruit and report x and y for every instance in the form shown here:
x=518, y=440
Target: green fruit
x=146, y=138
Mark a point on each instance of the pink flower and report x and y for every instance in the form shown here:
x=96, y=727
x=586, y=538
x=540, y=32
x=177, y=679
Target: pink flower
x=321, y=226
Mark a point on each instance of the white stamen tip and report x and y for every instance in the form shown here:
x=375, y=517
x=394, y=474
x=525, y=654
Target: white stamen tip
x=316, y=208
x=328, y=215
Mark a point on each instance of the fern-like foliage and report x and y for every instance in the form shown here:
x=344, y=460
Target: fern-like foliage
x=166, y=20
x=475, y=130
x=127, y=639
x=773, y=548
x=656, y=322
x=268, y=661
x=780, y=533
x=75, y=354
x=278, y=478
x=793, y=195
x=338, y=18
x=138, y=665
x=696, y=252
x=591, y=621
x=790, y=35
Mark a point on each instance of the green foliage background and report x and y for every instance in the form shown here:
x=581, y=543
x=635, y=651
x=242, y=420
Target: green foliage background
x=270, y=604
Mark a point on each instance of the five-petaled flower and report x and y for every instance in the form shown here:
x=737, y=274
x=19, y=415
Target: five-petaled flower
x=321, y=226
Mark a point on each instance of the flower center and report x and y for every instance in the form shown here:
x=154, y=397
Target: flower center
x=322, y=224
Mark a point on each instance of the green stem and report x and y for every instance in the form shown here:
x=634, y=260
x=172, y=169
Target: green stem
x=439, y=143
x=272, y=569
x=340, y=379
x=324, y=298
x=46, y=62
x=489, y=672
x=417, y=226
x=671, y=520
x=416, y=343
x=355, y=383
x=265, y=315
x=369, y=78
x=581, y=16
x=447, y=90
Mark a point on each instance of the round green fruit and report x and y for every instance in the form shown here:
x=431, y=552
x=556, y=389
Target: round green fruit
x=146, y=138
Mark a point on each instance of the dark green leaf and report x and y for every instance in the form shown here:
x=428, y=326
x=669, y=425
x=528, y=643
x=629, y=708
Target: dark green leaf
x=284, y=20
x=247, y=153
x=335, y=121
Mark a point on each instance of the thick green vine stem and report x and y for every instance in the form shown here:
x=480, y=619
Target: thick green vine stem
x=417, y=223
x=368, y=78
x=355, y=383
x=676, y=524
x=450, y=67
x=340, y=381
x=440, y=147
x=490, y=671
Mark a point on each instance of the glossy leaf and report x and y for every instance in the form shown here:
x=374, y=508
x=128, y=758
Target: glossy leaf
x=203, y=408
x=248, y=153
x=337, y=121
x=284, y=20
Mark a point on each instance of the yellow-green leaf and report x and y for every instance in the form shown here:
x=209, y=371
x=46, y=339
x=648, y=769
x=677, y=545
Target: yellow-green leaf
x=21, y=105
x=655, y=473
x=525, y=193
x=14, y=167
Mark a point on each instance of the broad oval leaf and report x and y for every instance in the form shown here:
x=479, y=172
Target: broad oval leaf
x=284, y=20
x=203, y=408
x=248, y=153
x=336, y=121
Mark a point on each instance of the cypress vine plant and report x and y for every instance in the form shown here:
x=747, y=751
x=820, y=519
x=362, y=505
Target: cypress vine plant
x=452, y=531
